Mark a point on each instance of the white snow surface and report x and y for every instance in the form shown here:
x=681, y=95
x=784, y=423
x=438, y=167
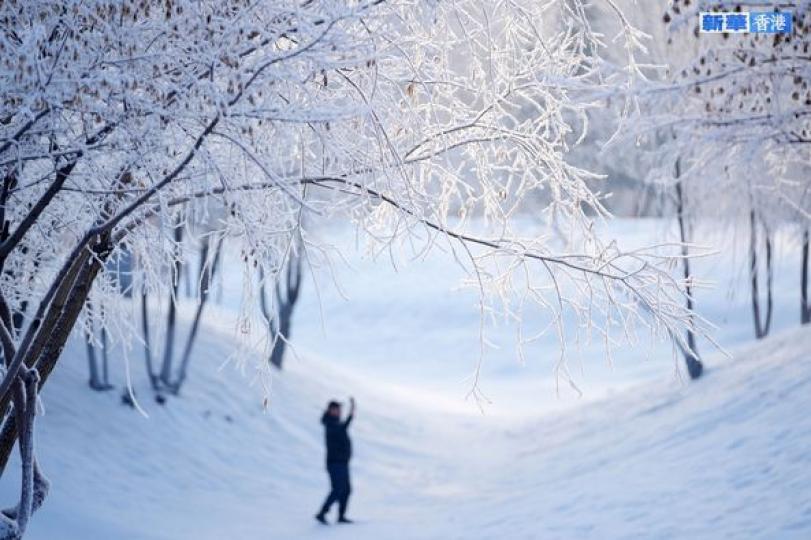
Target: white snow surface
x=642, y=455
x=725, y=457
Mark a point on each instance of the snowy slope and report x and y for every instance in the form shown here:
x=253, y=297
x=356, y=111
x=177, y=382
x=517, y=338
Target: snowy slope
x=726, y=457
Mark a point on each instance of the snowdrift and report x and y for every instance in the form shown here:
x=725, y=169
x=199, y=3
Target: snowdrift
x=725, y=457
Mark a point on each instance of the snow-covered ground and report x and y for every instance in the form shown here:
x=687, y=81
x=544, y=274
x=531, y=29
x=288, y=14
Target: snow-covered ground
x=725, y=457
x=641, y=455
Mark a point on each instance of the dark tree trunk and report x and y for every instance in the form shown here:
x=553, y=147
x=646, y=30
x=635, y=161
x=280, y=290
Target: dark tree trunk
x=44, y=322
x=187, y=287
x=105, y=359
x=92, y=362
x=150, y=368
x=56, y=326
x=13, y=319
x=805, y=308
x=286, y=291
x=280, y=345
x=207, y=272
x=34, y=486
x=270, y=318
x=762, y=323
x=169, y=343
x=691, y=356
x=99, y=380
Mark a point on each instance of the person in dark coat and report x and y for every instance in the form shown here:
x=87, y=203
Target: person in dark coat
x=339, y=451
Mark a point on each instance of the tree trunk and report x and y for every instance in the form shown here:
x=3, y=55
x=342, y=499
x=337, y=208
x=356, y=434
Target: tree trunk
x=34, y=486
x=105, y=360
x=280, y=345
x=92, y=362
x=270, y=318
x=47, y=316
x=187, y=287
x=805, y=308
x=99, y=380
x=762, y=324
x=57, y=325
x=286, y=295
x=206, y=275
x=169, y=343
x=691, y=357
x=150, y=368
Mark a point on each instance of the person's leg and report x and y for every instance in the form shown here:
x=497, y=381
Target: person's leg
x=346, y=490
x=336, y=483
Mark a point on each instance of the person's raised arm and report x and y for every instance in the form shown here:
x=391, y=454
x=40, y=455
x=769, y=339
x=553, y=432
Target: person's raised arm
x=351, y=411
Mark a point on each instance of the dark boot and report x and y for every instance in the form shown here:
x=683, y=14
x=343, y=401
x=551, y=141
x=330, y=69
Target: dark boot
x=321, y=519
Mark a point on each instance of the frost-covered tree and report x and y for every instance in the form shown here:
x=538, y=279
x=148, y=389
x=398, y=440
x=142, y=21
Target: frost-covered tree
x=277, y=308
x=123, y=121
x=120, y=271
x=175, y=361
x=644, y=155
x=738, y=107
